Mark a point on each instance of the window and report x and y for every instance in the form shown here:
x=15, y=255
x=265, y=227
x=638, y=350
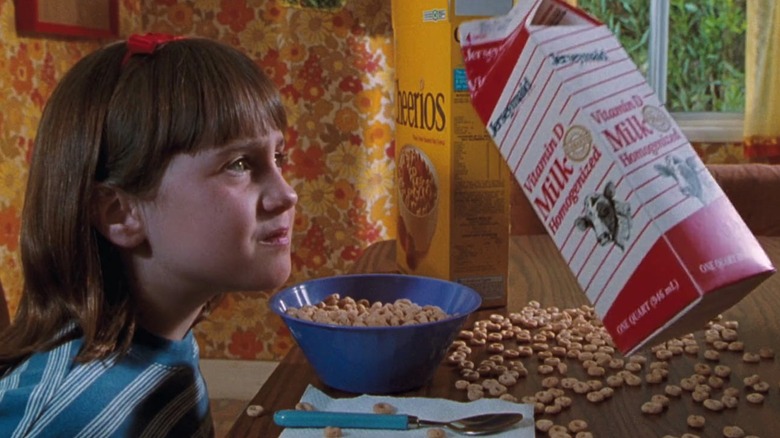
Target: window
x=692, y=53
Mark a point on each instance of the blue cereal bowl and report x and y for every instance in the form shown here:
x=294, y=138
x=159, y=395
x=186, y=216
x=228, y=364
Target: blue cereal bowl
x=376, y=360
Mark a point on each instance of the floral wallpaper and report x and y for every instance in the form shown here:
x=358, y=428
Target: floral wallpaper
x=335, y=72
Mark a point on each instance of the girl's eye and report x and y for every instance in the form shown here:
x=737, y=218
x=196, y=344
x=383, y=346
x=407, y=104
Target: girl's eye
x=280, y=159
x=239, y=165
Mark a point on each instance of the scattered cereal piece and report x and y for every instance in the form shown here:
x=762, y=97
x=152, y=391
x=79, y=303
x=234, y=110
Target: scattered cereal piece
x=660, y=398
x=607, y=392
x=713, y=404
x=729, y=401
x=563, y=401
x=733, y=432
x=736, y=346
x=652, y=407
x=761, y=386
x=545, y=369
x=700, y=396
x=550, y=382
x=687, y=384
x=507, y=379
x=595, y=396
x=728, y=334
x=755, y=398
x=304, y=406
x=722, y=371
x=545, y=397
x=696, y=421
x=474, y=395
x=654, y=377
x=558, y=430
x=495, y=347
x=712, y=355
x=332, y=432
x=633, y=366
x=254, y=410
x=632, y=380
x=720, y=345
x=466, y=334
x=595, y=385
x=749, y=357
x=614, y=381
x=715, y=382
x=436, y=433
x=577, y=425
x=751, y=380
x=384, y=408
x=580, y=387
x=702, y=368
x=596, y=371
x=673, y=390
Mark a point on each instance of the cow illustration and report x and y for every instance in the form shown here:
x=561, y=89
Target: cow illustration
x=685, y=173
x=609, y=218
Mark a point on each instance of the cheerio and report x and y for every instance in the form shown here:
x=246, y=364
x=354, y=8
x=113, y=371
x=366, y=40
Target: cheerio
x=453, y=185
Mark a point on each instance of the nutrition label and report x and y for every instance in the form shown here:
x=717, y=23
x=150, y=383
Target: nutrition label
x=480, y=200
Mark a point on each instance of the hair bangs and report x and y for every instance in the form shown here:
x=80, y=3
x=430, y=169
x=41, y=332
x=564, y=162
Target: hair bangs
x=244, y=109
x=232, y=98
x=189, y=95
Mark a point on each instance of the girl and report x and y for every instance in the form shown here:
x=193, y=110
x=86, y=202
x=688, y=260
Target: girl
x=155, y=186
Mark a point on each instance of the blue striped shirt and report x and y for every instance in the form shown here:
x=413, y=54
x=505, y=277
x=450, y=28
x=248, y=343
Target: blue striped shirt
x=156, y=390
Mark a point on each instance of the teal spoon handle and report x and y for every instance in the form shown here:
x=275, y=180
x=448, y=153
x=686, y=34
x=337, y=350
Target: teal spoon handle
x=296, y=418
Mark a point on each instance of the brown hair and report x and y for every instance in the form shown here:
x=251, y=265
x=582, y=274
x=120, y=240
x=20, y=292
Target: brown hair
x=119, y=125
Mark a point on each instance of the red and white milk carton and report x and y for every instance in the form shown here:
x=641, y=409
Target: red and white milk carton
x=651, y=238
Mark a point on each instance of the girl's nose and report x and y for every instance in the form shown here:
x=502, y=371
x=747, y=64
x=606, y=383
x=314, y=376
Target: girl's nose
x=280, y=195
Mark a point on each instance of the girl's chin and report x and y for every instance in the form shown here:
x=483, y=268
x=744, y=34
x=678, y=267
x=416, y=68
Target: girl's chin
x=274, y=279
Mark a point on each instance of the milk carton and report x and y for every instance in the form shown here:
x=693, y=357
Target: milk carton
x=453, y=185
x=652, y=240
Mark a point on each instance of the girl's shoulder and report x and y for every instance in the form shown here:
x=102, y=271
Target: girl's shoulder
x=148, y=389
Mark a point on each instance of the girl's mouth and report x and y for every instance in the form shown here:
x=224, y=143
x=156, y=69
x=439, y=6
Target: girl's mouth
x=280, y=236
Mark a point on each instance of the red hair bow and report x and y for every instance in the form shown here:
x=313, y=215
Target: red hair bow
x=146, y=44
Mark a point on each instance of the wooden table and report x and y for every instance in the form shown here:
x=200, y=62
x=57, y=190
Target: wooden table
x=537, y=272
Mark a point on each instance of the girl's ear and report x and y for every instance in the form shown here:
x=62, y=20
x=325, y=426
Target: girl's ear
x=116, y=215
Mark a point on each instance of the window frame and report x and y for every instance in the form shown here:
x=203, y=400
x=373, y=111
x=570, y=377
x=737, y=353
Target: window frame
x=704, y=127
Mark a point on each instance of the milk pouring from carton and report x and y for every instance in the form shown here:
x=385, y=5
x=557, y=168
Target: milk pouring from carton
x=652, y=240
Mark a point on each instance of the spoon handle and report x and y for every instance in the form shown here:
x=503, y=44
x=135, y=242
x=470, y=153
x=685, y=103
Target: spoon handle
x=295, y=418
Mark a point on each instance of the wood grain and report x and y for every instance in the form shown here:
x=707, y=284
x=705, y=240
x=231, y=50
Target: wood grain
x=537, y=272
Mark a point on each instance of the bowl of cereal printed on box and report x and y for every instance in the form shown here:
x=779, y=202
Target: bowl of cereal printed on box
x=375, y=333
x=418, y=199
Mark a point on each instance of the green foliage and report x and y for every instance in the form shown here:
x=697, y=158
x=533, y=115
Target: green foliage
x=706, y=64
x=316, y=4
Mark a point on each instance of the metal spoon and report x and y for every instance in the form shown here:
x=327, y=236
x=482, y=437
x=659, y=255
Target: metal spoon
x=476, y=425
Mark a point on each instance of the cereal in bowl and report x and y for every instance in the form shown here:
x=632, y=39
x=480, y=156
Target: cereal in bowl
x=362, y=313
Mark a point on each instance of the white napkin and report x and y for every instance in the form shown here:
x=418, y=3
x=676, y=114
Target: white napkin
x=434, y=409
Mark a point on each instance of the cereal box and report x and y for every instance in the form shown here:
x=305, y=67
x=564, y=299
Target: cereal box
x=652, y=240
x=453, y=185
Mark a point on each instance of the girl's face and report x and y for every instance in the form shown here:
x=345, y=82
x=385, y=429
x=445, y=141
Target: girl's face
x=220, y=221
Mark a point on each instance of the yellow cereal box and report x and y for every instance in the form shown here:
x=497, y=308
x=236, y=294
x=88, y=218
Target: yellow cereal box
x=453, y=185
